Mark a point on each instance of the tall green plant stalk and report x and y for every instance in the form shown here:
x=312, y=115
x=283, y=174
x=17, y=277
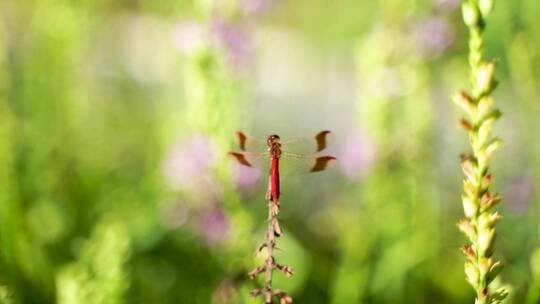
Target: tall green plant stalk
x=396, y=120
x=100, y=273
x=478, y=202
x=214, y=92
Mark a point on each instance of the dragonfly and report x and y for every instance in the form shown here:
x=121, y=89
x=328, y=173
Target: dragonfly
x=275, y=150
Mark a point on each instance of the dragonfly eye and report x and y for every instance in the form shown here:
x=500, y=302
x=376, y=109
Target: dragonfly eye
x=272, y=138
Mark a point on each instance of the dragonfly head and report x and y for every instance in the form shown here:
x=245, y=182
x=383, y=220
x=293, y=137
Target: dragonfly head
x=272, y=139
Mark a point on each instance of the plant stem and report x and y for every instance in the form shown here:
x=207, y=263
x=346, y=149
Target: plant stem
x=270, y=243
x=273, y=230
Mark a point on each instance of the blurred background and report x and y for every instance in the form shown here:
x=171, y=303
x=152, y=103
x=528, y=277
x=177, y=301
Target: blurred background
x=116, y=116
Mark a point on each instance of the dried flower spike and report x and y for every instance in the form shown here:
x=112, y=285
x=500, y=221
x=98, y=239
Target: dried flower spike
x=272, y=232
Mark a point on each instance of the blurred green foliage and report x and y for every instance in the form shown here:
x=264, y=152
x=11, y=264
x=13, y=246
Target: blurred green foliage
x=116, y=116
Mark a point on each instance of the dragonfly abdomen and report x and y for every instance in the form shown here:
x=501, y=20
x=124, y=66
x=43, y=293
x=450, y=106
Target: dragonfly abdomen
x=274, y=187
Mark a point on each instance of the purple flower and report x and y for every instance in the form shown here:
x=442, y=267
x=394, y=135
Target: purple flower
x=236, y=42
x=245, y=178
x=357, y=156
x=188, y=167
x=214, y=225
x=434, y=35
x=256, y=7
x=448, y=5
x=519, y=193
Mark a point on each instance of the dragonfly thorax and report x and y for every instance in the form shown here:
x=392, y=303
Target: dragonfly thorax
x=274, y=146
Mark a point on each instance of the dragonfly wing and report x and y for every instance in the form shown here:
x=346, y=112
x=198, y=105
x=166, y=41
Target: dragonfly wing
x=249, y=159
x=241, y=140
x=241, y=159
x=320, y=139
x=321, y=163
x=248, y=143
x=298, y=154
x=308, y=146
x=248, y=168
x=291, y=163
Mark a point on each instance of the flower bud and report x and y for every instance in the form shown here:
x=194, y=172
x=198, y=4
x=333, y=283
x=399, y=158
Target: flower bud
x=484, y=131
x=491, y=115
x=488, y=201
x=484, y=106
x=493, y=145
x=471, y=15
x=485, y=241
x=464, y=157
x=484, y=77
x=469, y=169
x=470, y=188
x=494, y=218
x=471, y=272
x=467, y=228
x=469, y=206
x=483, y=265
x=483, y=221
x=486, y=181
x=466, y=124
x=483, y=159
x=486, y=6
x=469, y=252
x=464, y=101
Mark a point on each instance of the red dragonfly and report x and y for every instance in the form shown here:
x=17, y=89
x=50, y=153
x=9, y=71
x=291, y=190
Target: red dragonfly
x=274, y=150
